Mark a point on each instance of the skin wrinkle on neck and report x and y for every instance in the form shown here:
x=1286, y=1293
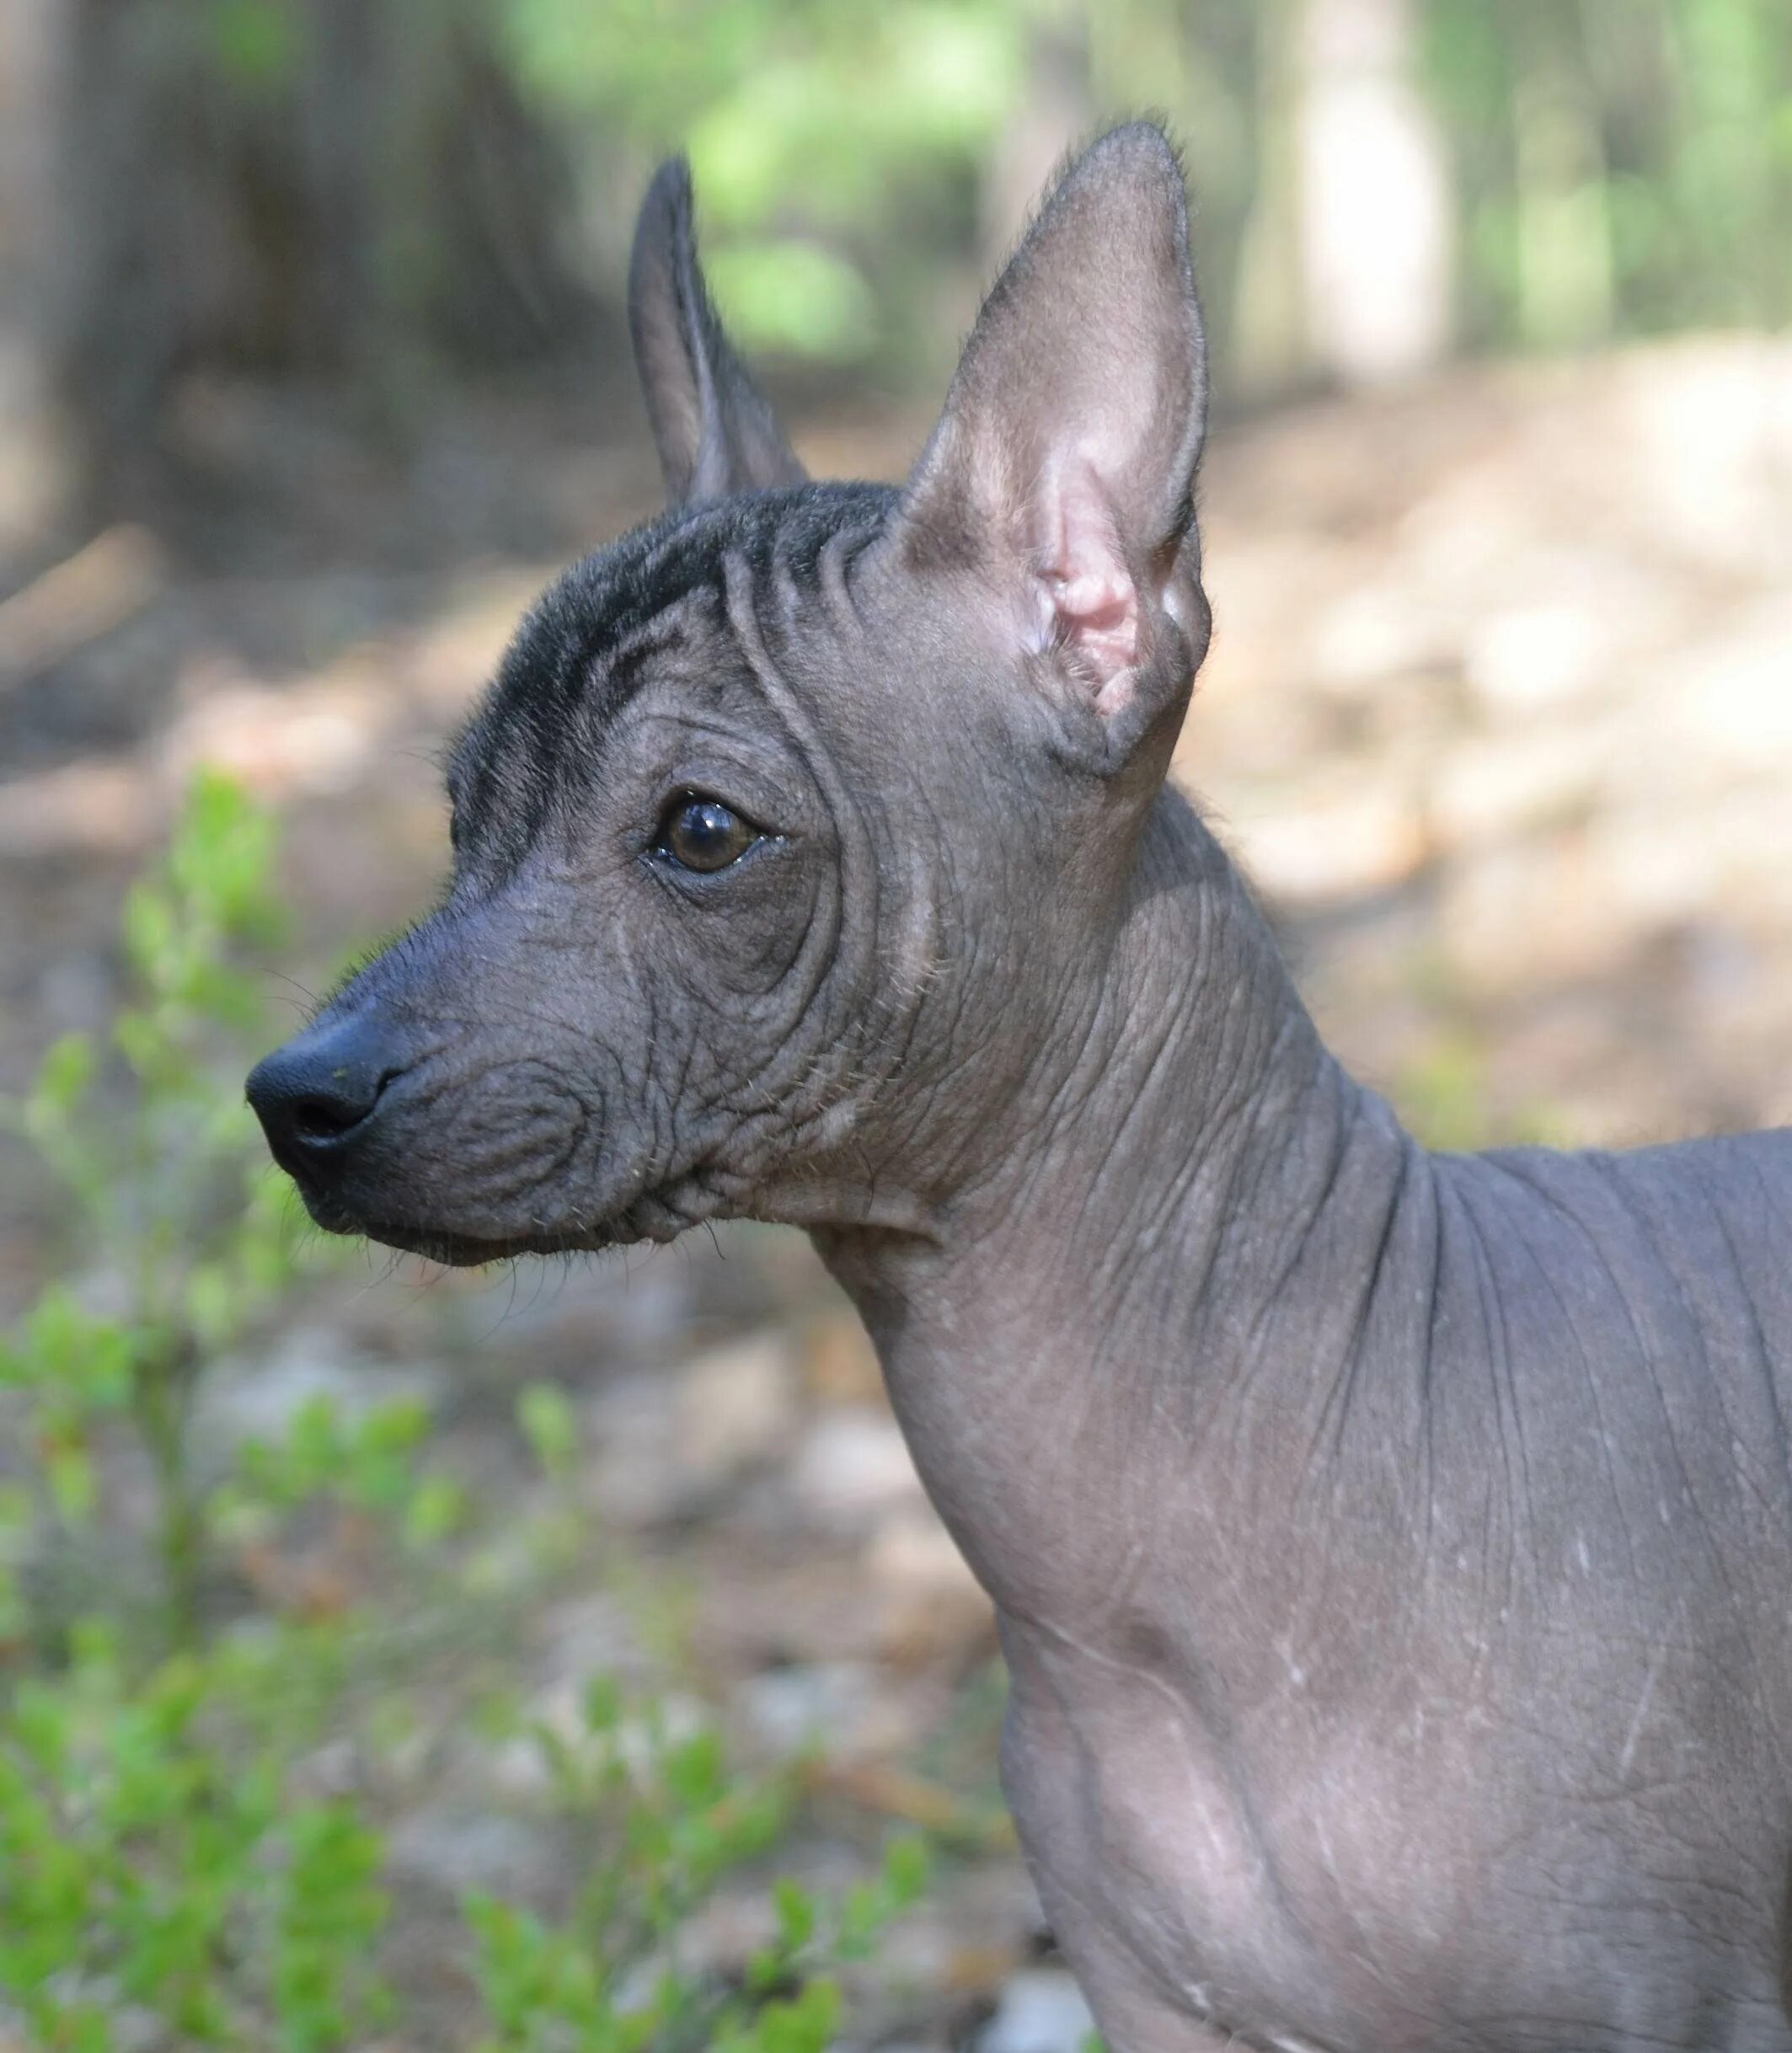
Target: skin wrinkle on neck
x=1073, y=1270
x=1190, y=951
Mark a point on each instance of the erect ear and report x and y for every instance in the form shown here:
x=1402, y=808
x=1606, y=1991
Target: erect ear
x=1062, y=470
x=716, y=435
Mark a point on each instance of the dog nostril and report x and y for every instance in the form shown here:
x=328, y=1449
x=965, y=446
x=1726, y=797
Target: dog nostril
x=327, y=1118
x=309, y=1098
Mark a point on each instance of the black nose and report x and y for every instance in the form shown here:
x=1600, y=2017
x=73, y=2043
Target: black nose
x=315, y=1094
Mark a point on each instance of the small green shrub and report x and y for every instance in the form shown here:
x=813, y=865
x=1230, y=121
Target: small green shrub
x=181, y=1231
x=175, y=1870
x=156, y=1864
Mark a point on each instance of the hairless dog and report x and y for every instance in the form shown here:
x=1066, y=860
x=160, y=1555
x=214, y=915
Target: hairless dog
x=1393, y=1551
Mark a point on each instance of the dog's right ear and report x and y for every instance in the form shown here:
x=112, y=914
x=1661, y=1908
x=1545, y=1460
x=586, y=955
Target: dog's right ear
x=716, y=434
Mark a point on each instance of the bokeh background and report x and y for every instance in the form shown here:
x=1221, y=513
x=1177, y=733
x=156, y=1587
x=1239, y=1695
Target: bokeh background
x=313, y=366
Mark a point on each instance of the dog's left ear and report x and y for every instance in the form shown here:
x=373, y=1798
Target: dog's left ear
x=715, y=432
x=1061, y=478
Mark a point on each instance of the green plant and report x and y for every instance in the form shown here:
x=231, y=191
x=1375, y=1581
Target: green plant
x=174, y=1867
x=155, y=1862
x=668, y=1821
x=181, y=1232
x=161, y=1859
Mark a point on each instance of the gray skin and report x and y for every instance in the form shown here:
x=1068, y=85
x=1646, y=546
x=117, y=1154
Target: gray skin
x=1393, y=1551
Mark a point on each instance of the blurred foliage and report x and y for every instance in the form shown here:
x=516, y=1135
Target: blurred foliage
x=817, y=135
x=1620, y=166
x=372, y=192
x=180, y=1234
x=1623, y=166
x=1445, y=1097
x=179, y=1866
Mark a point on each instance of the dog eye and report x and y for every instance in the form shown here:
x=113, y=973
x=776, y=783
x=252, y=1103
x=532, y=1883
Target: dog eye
x=702, y=834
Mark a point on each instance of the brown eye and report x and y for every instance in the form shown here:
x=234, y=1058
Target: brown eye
x=702, y=834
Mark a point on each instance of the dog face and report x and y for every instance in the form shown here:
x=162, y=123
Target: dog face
x=791, y=820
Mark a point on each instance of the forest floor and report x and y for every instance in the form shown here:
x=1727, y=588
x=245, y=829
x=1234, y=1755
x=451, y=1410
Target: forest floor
x=1499, y=719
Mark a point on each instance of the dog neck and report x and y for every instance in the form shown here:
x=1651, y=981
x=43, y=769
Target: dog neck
x=1064, y=1323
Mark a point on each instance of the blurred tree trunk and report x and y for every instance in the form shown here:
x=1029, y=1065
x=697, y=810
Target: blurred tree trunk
x=1269, y=341
x=1053, y=114
x=30, y=484
x=1376, y=215
x=341, y=190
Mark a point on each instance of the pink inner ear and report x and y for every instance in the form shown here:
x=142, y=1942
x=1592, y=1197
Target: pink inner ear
x=1085, y=588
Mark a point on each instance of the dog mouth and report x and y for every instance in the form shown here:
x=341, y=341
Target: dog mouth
x=659, y=1215
x=451, y=1246
x=450, y=1250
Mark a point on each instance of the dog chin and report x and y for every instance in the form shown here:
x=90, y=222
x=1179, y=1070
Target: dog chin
x=456, y=1250
x=472, y=1251
x=452, y=1247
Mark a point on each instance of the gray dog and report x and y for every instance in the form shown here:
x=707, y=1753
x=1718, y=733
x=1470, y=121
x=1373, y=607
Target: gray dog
x=1393, y=1551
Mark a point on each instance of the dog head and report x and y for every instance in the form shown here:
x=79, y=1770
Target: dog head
x=786, y=838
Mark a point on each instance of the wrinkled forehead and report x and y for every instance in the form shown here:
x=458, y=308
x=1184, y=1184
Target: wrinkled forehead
x=686, y=592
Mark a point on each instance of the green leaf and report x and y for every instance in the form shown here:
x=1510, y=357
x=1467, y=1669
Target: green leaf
x=142, y=1040
x=602, y=1704
x=805, y=2023
x=212, y=1302
x=64, y=1074
x=221, y=859
x=695, y=1769
x=905, y=1866
x=149, y=933
x=68, y=1469
x=796, y=297
x=796, y=1914
x=548, y=1424
x=436, y=1507
x=254, y=42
